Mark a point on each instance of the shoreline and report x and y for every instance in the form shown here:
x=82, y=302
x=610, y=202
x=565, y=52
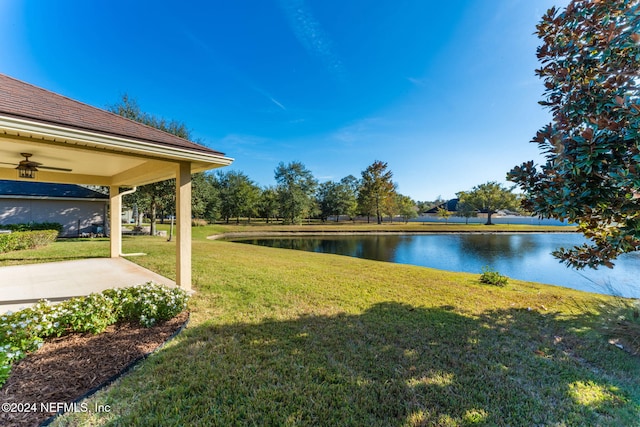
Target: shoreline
x=293, y=233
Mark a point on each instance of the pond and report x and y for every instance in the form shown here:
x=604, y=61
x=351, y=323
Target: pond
x=525, y=256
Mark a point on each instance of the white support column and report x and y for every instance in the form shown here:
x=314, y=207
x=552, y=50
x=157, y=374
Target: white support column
x=183, y=226
x=115, y=221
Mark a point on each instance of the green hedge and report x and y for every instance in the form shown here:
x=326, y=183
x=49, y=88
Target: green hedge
x=33, y=226
x=26, y=240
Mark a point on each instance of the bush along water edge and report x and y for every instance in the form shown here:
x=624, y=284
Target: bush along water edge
x=492, y=277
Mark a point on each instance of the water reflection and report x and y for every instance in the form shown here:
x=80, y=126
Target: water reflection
x=491, y=247
x=381, y=248
x=521, y=256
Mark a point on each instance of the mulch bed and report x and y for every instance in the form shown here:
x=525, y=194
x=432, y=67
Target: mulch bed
x=67, y=368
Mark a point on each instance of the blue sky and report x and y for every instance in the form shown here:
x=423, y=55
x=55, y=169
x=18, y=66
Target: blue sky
x=443, y=91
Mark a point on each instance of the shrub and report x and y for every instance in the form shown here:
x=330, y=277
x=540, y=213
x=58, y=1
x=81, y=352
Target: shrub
x=148, y=303
x=34, y=226
x=26, y=240
x=24, y=331
x=492, y=277
x=92, y=313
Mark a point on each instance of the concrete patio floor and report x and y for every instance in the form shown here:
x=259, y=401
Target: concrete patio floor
x=24, y=285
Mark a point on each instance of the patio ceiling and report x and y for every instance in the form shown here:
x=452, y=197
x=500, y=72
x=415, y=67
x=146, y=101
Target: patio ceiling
x=126, y=163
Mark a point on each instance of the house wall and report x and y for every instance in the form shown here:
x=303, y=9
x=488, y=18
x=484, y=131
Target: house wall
x=76, y=216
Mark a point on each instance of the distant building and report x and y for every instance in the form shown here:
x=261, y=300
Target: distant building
x=80, y=210
x=450, y=205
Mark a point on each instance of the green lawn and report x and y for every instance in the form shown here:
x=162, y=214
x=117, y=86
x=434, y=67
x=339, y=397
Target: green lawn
x=280, y=337
x=411, y=227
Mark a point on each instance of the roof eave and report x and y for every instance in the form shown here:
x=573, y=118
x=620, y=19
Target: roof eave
x=61, y=198
x=72, y=136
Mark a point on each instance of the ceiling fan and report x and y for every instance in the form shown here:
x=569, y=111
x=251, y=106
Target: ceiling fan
x=27, y=168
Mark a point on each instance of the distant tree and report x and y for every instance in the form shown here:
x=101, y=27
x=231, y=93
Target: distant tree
x=407, y=207
x=376, y=189
x=352, y=183
x=253, y=198
x=466, y=211
x=313, y=211
x=238, y=195
x=296, y=186
x=159, y=196
x=205, y=201
x=128, y=107
x=335, y=199
x=268, y=206
x=350, y=187
x=326, y=199
x=489, y=197
x=444, y=214
x=390, y=207
x=366, y=205
x=156, y=197
x=423, y=206
x=590, y=57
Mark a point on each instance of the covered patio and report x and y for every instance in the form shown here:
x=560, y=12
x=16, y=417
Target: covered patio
x=47, y=137
x=24, y=285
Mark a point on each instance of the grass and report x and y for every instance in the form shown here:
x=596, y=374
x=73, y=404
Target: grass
x=280, y=337
x=411, y=227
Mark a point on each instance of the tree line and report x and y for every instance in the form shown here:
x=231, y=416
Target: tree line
x=230, y=196
x=297, y=196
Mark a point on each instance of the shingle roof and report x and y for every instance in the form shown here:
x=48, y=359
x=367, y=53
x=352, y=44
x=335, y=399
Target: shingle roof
x=450, y=205
x=25, y=101
x=44, y=189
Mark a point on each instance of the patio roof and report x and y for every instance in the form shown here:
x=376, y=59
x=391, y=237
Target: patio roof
x=107, y=149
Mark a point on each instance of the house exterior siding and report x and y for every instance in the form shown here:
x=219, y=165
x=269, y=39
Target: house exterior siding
x=76, y=216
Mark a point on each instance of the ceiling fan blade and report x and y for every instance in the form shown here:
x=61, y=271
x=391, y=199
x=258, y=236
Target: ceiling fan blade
x=55, y=169
x=5, y=163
